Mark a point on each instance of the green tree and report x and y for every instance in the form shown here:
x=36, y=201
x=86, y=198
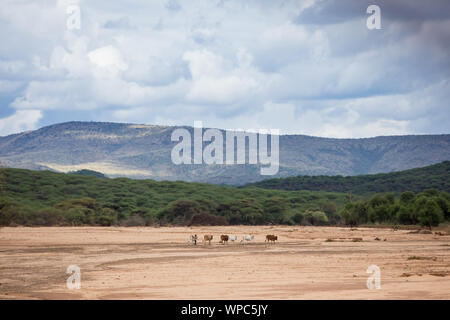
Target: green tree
x=390, y=198
x=107, y=217
x=404, y=215
x=444, y=204
x=331, y=211
x=275, y=209
x=180, y=211
x=75, y=216
x=361, y=212
x=298, y=218
x=10, y=213
x=430, y=215
x=431, y=192
x=316, y=218
x=2, y=180
x=250, y=211
x=349, y=215
x=407, y=197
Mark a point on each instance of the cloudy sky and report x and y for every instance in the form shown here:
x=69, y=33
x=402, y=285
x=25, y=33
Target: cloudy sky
x=309, y=67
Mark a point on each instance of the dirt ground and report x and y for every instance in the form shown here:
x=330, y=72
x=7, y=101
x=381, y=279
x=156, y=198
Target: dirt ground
x=159, y=263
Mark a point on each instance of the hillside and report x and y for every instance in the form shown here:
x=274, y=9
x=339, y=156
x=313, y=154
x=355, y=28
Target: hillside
x=417, y=180
x=142, y=151
x=47, y=198
x=36, y=198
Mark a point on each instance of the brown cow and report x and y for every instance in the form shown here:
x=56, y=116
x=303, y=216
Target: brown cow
x=207, y=237
x=271, y=237
x=224, y=238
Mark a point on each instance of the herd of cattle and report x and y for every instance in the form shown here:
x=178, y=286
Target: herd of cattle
x=224, y=238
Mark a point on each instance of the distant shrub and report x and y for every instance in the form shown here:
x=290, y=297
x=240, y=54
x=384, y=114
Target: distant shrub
x=46, y=217
x=430, y=215
x=74, y=216
x=9, y=212
x=107, y=217
x=407, y=197
x=316, y=218
x=180, y=211
x=205, y=219
x=150, y=219
x=405, y=215
x=133, y=221
x=298, y=218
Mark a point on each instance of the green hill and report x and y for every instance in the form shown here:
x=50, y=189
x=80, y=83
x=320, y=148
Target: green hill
x=417, y=180
x=37, y=198
x=47, y=198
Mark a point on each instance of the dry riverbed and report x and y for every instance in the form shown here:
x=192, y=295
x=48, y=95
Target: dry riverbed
x=159, y=263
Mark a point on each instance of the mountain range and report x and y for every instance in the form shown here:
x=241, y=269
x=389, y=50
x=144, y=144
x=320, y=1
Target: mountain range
x=144, y=151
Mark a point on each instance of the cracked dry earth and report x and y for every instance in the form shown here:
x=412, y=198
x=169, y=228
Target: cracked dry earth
x=159, y=263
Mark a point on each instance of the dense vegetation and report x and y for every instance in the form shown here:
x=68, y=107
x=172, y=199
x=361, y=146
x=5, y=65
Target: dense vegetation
x=417, y=180
x=427, y=208
x=48, y=198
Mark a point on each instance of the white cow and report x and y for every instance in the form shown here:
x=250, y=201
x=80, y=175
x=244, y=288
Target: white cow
x=232, y=238
x=247, y=237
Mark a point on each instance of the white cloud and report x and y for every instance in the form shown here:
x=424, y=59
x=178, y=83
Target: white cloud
x=21, y=120
x=267, y=64
x=215, y=80
x=108, y=59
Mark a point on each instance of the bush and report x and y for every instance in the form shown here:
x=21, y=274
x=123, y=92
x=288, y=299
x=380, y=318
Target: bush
x=45, y=217
x=180, y=211
x=330, y=210
x=349, y=215
x=205, y=219
x=150, y=219
x=444, y=204
x=405, y=215
x=316, y=218
x=274, y=210
x=133, y=221
x=107, y=217
x=298, y=218
x=407, y=197
x=75, y=216
x=9, y=213
x=430, y=215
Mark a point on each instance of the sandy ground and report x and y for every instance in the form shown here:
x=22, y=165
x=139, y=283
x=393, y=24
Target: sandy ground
x=158, y=263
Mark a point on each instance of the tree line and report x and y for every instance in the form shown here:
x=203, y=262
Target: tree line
x=428, y=208
x=416, y=180
x=43, y=198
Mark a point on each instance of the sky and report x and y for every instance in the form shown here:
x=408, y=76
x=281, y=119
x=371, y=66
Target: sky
x=304, y=67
